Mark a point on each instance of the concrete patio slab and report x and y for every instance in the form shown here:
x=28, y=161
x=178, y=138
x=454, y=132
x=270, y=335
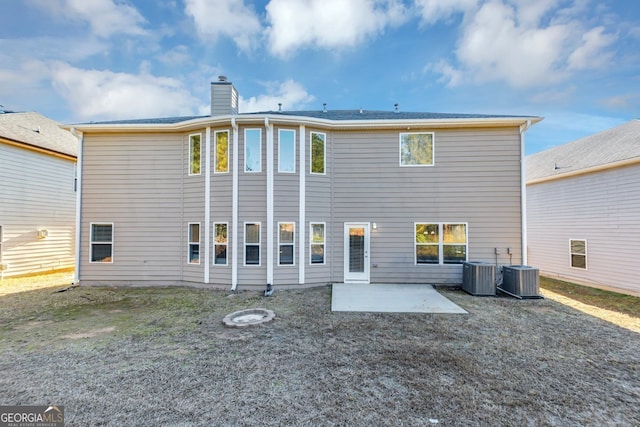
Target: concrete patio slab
x=390, y=298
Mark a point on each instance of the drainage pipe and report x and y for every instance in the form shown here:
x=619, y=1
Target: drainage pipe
x=80, y=136
x=234, y=208
x=523, y=191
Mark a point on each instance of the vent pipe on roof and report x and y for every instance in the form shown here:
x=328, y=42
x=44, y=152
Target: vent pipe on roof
x=324, y=107
x=279, y=106
x=395, y=108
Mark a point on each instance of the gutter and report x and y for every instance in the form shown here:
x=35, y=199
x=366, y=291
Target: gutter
x=523, y=192
x=80, y=136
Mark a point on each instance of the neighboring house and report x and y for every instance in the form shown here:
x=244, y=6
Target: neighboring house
x=583, y=204
x=293, y=198
x=37, y=194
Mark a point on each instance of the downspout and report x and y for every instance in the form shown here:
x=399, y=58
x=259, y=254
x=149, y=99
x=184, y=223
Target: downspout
x=207, y=204
x=269, y=132
x=80, y=136
x=302, y=210
x=234, y=207
x=523, y=191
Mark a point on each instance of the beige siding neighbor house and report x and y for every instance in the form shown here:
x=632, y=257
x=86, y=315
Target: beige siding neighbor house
x=299, y=198
x=583, y=202
x=37, y=195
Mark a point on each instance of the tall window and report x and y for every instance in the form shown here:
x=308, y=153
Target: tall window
x=253, y=150
x=318, y=150
x=579, y=254
x=252, y=243
x=194, y=243
x=220, y=241
x=286, y=243
x=439, y=243
x=286, y=151
x=102, y=243
x=221, y=151
x=194, y=154
x=317, y=241
x=416, y=149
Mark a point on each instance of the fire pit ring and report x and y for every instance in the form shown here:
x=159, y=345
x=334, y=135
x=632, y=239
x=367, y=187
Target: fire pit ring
x=248, y=317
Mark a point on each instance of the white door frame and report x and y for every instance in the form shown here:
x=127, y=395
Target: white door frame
x=363, y=276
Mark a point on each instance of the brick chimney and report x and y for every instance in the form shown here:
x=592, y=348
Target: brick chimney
x=224, y=97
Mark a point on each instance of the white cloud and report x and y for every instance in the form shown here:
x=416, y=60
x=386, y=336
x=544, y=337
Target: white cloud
x=433, y=11
x=231, y=18
x=295, y=24
x=292, y=95
x=106, y=17
x=101, y=95
x=592, y=52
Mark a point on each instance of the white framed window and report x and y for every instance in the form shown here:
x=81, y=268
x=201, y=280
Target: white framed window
x=286, y=151
x=253, y=150
x=578, y=251
x=221, y=151
x=193, y=256
x=317, y=242
x=220, y=242
x=286, y=243
x=101, y=236
x=251, y=243
x=416, y=149
x=318, y=149
x=440, y=243
x=195, y=152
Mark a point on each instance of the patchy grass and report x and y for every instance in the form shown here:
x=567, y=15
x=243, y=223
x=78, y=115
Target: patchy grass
x=161, y=356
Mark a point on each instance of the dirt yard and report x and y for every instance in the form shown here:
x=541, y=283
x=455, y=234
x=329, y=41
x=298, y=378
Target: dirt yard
x=132, y=356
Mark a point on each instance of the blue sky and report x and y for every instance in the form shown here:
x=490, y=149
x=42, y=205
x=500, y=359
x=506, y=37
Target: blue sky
x=576, y=62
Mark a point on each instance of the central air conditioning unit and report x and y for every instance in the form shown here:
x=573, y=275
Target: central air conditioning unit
x=521, y=281
x=479, y=278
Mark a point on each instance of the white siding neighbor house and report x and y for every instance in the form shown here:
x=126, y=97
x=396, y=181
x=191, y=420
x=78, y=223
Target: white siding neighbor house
x=299, y=198
x=37, y=195
x=583, y=201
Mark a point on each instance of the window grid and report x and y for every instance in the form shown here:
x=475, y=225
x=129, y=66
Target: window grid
x=317, y=242
x=252, y=238
x=101, y=242
x=286, y=243
x=440, y=243
x=578, y=253
x=193, y=256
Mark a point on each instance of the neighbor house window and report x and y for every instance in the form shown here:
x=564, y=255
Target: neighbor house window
x=102, y=243
x=220, y=242
x=317, y=241
x=579, y=254
x=194, y=154
x=440, y=243
x=253, y=150
x=252, y=243
x=194, y=243
x=221, y=152
x=286, y=243
x=416, y=149
x=318, y=150
x=286, y=151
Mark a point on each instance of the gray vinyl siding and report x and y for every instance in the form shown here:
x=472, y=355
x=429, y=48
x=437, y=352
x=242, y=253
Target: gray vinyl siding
x=36, y=193
x=475, y=179
x=135, y=181
x=601, y=207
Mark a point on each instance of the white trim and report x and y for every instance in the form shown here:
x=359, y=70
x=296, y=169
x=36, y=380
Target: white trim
x=303, y=204
x=270, y=199
x=324, y=242
x=215, y=243
x=280, y=131
x=234, y=206
x=366, y=275
x=433, y=149
x=190, y=153
x=193, y=242
x=207, y=203
x=259, y=150
x=523, y=194
x=293, y=243
x=259, y=243
x=441, y=244
x=76, y=273
x=571, y=253
x=112, y=242
x=324, y=135
x=215, y=152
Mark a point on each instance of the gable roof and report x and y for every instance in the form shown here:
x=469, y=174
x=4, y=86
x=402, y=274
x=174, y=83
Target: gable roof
x=34, y=130
x=603, y=150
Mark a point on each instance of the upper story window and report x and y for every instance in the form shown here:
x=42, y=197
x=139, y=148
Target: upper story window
x=318, y=151
x=579, y=254
x=102, y=243
x=194, y=154
x=438, y=243
x=253, y=150
x=416, y=149
x=221, y=152
x=286, y=151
